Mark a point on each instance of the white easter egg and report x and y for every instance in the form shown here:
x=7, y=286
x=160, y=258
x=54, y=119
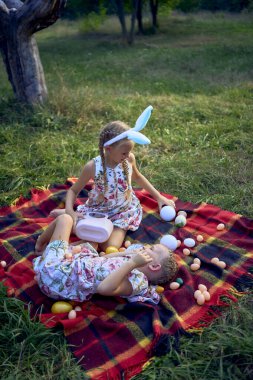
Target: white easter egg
x=206, y=294
x=167, y=213
x=169, y=241
x=180, y=221
x=215, y=260
x=200, y=238
x=3, y=264
x=174, y=285
x=197, y=261
x=186, y=252
x=195, y=267
x=201, y=299
x=181, y=212
x=189, y=242
x=220, y=227
x=221, y=264
x=78, y=308
x=72, y=314
x=197, y=293
x=202, y=287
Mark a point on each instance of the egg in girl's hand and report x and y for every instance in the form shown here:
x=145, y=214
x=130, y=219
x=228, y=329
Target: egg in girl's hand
x=72, y=314
x=167, y=213
x=174, y=285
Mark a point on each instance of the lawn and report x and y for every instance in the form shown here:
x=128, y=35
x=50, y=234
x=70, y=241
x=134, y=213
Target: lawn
x=197, y=74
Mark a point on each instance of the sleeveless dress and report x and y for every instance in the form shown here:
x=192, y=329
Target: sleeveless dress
x=77, y=278
x=123, y=212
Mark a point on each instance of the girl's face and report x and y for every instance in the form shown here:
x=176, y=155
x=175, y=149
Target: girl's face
x=120, y=151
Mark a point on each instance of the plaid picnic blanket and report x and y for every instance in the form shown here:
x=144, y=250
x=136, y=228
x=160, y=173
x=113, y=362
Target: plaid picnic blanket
x=111, y=338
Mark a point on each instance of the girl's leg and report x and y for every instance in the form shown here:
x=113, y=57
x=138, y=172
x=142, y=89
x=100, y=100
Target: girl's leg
x=56, y=212
x=58, y=229
x=116, y=239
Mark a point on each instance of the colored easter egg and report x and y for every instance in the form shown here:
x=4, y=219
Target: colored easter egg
x=3, y=264
x=197, y=293
x=220, y=227
x=200, y=238
x=127, y=243
x=181, y=212
x=174, y=285
x=178, y=243
x=186, y=252
x=122, y=249
x=201, y=300
x=180, y=221
x=206, y=295
x=202, y=287
x=111, y=249
x=215, y=260
x=179, y=280
x=159, y=289
x=189, y=242
x=167, y=213
x=197, y=261
x=169, y=241
x=72, y=314
x=194, y=267
x=222, y=264
x=61, y=307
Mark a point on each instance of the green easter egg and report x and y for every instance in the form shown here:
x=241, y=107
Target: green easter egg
x=179, y=281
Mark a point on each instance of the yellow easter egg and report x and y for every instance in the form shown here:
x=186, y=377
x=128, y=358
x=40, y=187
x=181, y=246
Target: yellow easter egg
x=61, y=307
x=159, y=289
x=111, y=249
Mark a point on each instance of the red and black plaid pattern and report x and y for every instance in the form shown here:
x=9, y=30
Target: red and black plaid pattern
x=110, y=337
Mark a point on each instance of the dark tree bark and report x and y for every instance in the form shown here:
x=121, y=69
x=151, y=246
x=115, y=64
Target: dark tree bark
x=154, y=9
x=18, y=22
x=139, y=18
x=119, y=6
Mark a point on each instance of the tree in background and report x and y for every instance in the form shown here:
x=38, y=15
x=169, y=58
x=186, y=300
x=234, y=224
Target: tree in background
x=18, y=22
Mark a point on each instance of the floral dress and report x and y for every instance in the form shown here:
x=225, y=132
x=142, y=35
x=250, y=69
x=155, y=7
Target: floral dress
x=124, y=212
x=78, y=278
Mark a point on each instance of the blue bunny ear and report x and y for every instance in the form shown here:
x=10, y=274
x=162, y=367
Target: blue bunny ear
x=137, y=137
x=143, y=119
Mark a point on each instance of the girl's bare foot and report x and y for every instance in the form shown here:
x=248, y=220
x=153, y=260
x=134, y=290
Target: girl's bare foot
x=56, y=212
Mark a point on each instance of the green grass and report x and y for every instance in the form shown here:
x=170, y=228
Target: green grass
x=197, y=74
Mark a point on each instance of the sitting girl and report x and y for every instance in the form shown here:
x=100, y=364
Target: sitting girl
x=66, y=271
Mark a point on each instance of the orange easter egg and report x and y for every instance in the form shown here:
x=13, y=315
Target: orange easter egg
x=201, y=300
x=122, y=249
x=174, y=285
x=195, y=267
x=159, y=289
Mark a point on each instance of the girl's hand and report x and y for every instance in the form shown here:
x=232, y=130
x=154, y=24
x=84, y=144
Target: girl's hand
x=75, y=216
x=165, y=201
x=141, y=259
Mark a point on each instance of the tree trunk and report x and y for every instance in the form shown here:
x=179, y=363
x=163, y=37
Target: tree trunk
x=121, y=14
x=135, y=4
x=139, y=17
x=154, y=9
x=18, y=22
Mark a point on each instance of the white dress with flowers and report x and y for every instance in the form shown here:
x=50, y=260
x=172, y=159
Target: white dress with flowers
x=123, y=212
x=78, y=278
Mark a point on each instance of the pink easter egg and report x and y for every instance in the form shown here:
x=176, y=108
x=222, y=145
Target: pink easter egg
x=197, y=293
x=200, y=299
x=195, y=267
x=197, y=261
x=186, y=252
x=222, y=264
x=202, y=287
x=206, y=295
x=200, y=238
x=174, y=285
x=215, y=260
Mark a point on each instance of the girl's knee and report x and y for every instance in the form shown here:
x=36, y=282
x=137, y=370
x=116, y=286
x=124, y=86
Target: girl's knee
x=65, y=219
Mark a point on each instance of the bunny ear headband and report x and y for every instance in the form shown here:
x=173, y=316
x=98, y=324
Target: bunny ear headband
x=133, y=133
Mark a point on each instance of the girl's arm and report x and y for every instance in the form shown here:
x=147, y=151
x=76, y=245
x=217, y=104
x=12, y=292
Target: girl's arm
x=87, y=173
x=117, y=284
x=142, y=181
